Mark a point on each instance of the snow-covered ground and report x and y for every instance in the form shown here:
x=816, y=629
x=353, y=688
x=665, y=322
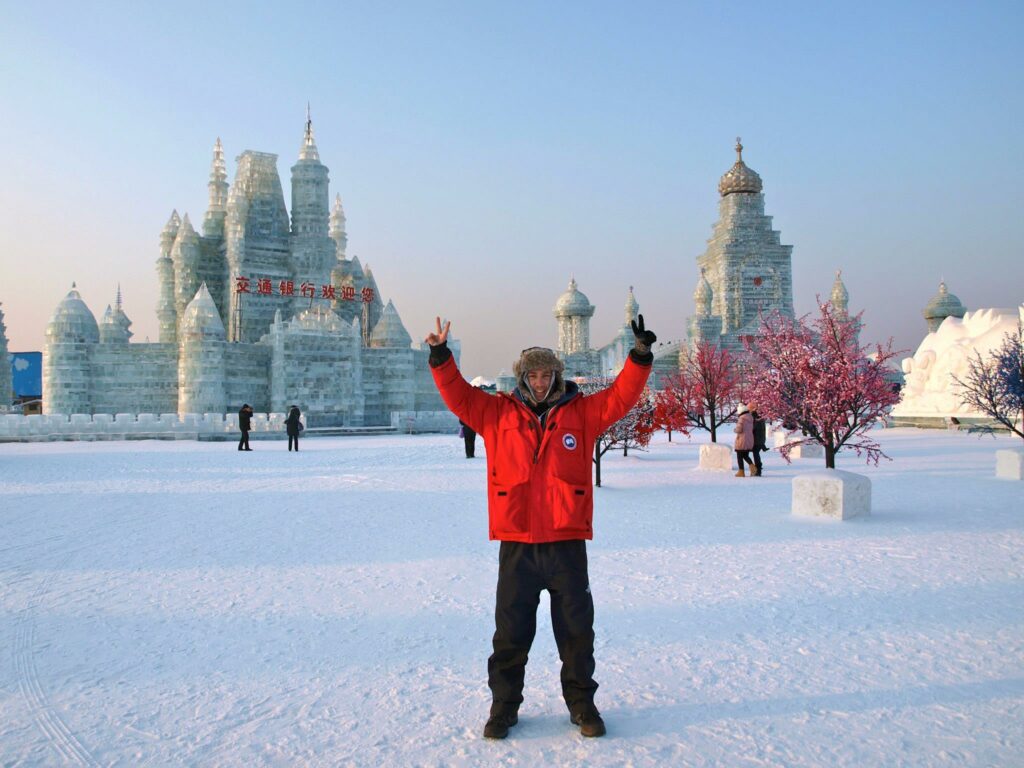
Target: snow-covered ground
x=170, y=603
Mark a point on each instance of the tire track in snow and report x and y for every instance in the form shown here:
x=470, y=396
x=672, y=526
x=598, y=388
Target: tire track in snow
x=43, y=712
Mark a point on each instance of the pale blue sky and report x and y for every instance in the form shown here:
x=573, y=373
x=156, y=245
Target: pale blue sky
x=484, y=152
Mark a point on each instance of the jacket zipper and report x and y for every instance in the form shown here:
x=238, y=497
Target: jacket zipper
x=536, y=423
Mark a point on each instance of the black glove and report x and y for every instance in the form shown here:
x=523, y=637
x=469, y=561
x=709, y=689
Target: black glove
x=644, y=339
x=439, y=354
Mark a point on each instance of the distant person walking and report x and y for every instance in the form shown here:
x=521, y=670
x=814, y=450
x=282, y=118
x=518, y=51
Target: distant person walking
x=760, y=437
x=294, y=426
x=244, y=422
x=744, y=430
x=469, y=436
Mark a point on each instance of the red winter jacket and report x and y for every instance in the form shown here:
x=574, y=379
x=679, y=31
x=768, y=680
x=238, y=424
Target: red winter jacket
x=539, y=486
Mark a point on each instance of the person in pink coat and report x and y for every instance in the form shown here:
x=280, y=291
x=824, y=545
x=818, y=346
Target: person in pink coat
x=744, y=443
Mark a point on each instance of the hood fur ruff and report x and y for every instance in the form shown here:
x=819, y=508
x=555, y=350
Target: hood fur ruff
x=539, y=359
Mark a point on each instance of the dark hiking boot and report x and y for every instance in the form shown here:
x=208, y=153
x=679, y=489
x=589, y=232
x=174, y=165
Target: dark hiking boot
x=500, y=721
x=589, y=720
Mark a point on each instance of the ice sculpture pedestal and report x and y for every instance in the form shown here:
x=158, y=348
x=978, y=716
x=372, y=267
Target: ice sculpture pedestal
x=715, y=456
x=1010, y=464
x=831, y=493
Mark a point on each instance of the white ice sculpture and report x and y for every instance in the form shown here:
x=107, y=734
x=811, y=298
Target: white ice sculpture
x=929, y=390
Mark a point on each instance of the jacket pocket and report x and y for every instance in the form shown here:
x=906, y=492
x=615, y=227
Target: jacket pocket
x=513, y=456
x=510, y=511
x=572, y=506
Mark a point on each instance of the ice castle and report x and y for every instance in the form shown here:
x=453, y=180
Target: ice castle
x=256, y=309
x=746, y=273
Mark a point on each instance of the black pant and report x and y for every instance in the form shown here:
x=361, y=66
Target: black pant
x=757, y=459
x=293, y=440
x=469, y=436
x=743, y=456
x=523, y=571
x=243, y=442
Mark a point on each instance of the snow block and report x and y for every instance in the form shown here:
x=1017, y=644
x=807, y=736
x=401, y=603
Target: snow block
x=805, y=451
x=808, y=451
x=716, y=457
x=1010, y=464
x=831, y=493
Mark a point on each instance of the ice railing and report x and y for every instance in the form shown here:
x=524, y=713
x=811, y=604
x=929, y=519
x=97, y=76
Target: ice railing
x=414, y=422
x=105, y=425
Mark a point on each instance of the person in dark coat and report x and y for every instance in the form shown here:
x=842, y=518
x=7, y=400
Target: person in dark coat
x=539, y=440
x=760, y=438
x=244, y=422
x=469, y=436
x=294, y=426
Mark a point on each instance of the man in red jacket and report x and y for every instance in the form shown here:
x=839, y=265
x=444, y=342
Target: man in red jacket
x=539, y=441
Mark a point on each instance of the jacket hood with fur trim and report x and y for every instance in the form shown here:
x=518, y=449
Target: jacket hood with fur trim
x=539, y=359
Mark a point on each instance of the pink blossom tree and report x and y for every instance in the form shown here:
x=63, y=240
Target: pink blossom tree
x=707, y=387
x=816, y=378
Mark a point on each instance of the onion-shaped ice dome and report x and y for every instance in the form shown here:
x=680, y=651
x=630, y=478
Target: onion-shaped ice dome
x=840, y=297
x=943, y=304
x=739, y=178
x=72, y=321
x=201, y=320
x=573, y=302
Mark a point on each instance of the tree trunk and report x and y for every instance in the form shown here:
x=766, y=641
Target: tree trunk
x=670, y=435
x=830, y=457
x=625, y=450
x=714, y=438
x=597, y=461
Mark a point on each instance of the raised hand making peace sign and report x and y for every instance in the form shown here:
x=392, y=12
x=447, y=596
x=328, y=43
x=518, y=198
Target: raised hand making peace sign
x=440, y=336
x=644, y=338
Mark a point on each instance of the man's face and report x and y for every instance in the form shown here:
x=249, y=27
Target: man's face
x=539, y=383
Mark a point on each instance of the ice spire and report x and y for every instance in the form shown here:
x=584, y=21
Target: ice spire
x=703, y=295
x=173, y=223
x=114, y=327
x=308, y=150
x=389, y=330
x=166, y=309
x=216, y=211
x=169, y=232
x=632, y=307
x=338, y=233
x=840, y=298
x=185, y=254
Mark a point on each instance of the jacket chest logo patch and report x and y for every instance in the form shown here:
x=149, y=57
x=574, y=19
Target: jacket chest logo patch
x=569, y=441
